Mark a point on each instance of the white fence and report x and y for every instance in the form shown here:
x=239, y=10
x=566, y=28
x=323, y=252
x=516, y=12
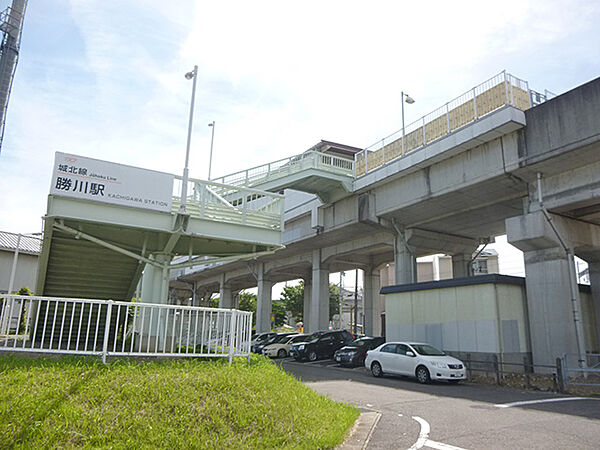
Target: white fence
x=110, y=328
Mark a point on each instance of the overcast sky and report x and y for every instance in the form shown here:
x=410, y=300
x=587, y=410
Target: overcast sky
x=104, y=79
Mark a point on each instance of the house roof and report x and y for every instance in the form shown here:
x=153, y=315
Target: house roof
x=28, y=244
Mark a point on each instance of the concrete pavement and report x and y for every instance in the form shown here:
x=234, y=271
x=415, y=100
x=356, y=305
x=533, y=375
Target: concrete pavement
x=464, y=416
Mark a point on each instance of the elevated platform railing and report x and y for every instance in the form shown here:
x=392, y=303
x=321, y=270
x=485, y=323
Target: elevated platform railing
x=211, y=200
x=111, y=328
x=265, y=173
x=500, y=90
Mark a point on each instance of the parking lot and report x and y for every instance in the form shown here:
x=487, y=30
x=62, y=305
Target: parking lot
x=463, y=416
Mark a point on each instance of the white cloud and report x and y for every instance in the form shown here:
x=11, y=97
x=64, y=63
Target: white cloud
x=275, y=76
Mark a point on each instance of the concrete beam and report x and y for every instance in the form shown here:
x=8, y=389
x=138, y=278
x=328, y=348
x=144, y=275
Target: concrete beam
x=532, y=232
x=426, y=242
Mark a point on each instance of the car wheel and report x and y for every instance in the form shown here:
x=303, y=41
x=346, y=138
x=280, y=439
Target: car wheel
x=376, y=369
x=312, y=356
x=281, y=353
x=423, y=375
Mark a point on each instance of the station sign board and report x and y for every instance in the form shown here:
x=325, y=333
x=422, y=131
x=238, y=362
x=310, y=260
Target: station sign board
x=102, y=181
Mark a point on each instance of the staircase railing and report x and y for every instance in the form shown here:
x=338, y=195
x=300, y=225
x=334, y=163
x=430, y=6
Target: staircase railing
x=219, y=202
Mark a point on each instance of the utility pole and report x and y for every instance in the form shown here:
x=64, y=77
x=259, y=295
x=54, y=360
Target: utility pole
x=356, y=302
x=11, y=25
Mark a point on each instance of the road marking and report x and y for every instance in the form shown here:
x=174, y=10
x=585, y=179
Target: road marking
x=438, y=445
x=424, y=440
x=423, y=433
x=546, y=400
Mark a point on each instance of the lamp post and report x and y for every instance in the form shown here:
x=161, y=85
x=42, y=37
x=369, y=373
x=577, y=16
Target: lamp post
x=410, y=101
x=182, y=208
x=212, y=138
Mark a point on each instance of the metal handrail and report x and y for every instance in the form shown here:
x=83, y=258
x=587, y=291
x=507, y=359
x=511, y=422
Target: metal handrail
x=276, y=169
x=500, y=90
x=220, y=202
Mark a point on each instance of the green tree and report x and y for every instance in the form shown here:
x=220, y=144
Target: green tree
x=24, y=291
x=247, y=302
x=292, y=298
x=278, y=310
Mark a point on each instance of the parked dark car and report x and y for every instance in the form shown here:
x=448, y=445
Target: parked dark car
x=354, y=354
x=321, y=344
x=260, y=338
x=258, y=346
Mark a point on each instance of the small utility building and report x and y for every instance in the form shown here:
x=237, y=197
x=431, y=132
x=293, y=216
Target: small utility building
x=483, y=314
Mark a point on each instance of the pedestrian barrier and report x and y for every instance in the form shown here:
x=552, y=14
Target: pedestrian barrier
x=113, y=328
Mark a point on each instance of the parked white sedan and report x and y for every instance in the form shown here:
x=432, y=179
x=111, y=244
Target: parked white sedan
x=422, y=361
x=281, y=348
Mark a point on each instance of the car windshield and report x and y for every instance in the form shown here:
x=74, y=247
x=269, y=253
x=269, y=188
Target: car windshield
x=427, y=350
x=360, y=342
x=314, y=337
x=298, y=338
x=283, y=338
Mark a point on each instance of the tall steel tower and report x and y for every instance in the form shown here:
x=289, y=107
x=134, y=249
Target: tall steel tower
x=11, y=25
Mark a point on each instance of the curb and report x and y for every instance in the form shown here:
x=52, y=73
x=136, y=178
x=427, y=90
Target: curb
x=361, y=431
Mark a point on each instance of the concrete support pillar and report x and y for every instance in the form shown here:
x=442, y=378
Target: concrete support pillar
x=155, y=289
x=372, y=308
x=264, y=301
x=225, y=294
x=594, y=271
x=551, y=281
x=307, y=303
x=319, y=311
x=405, y=263
x=155, y=281
x=461, y=265
x=549, y=304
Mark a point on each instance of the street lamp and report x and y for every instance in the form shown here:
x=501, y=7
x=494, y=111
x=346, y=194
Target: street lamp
x=189, y=76
x=410, y=101
x=212, y=125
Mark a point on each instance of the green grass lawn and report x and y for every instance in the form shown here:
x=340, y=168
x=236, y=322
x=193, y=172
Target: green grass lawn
x=78, y=402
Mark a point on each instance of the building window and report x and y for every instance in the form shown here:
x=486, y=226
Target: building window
x=480, y=267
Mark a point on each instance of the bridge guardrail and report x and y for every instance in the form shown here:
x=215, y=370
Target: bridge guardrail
x=500, y=90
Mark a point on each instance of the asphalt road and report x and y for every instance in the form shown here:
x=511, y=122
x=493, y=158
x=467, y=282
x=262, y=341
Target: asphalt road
x=463, y=416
